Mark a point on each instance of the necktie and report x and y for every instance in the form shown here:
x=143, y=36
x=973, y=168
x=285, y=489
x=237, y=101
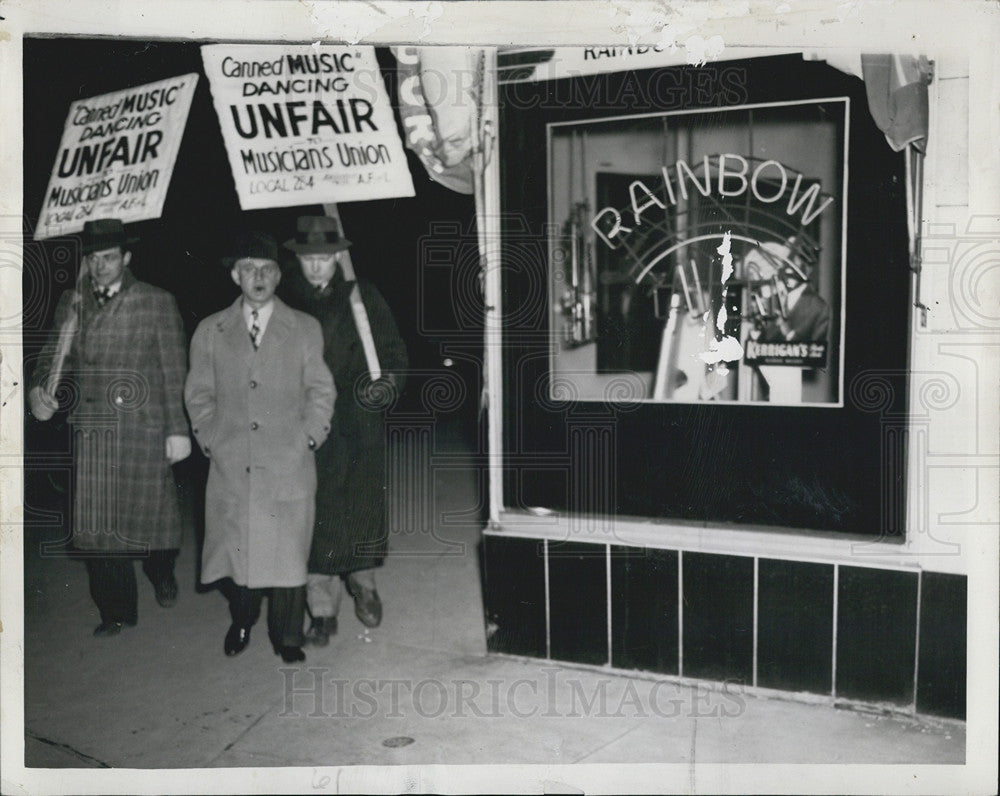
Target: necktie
x=101, y=295
x=254, y=330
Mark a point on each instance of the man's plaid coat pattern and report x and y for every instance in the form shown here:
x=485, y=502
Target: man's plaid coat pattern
x=124, y=382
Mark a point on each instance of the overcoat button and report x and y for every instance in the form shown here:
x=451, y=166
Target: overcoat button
x=253, y=385
x=254, y=426
x=248, y=469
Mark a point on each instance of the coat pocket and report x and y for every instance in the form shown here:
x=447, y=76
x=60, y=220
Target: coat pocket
x=295, y=476
x=203, y=434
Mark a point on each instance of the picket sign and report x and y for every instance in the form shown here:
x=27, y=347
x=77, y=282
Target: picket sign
x=357, y=305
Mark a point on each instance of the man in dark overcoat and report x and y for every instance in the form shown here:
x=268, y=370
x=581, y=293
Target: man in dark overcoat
x=260, y=398
x=119, y=346
x=360, y=339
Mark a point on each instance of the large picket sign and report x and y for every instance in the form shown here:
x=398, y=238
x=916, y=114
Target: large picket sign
x=306, y=124
x=116, y=156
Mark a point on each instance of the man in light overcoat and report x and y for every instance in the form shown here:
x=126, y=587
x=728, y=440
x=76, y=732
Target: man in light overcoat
x=260, y=399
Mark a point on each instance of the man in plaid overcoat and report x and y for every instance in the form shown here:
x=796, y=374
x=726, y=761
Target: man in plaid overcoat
x=120, y=347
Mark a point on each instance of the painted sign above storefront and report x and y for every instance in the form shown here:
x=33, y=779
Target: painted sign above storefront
x=116, y=156
x=548, y=63
x=306, y=124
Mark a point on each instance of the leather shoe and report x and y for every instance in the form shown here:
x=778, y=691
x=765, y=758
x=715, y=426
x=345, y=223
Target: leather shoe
x=112, y=628
x=236, y=639
x=367, y=605
x=166, y=592
x=320, y=630
x=290, y=654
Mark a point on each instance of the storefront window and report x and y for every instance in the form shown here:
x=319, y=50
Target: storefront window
x=699, y=255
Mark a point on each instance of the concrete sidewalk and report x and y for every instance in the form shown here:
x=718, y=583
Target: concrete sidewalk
x=419, y=689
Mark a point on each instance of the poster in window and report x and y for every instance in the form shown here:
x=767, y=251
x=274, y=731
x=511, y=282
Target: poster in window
x=700, y=254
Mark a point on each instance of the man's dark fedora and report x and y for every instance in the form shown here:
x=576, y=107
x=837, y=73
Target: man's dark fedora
x=254, y=244
x=317, y=235
x=104, y=233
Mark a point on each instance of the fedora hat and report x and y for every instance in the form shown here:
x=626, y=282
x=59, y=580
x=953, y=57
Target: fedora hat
x=104, y=233
x=253, y=244
x=317, y=235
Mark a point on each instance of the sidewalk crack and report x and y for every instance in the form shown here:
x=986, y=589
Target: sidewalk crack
x=66, y=747
x=242, y=735
x=617, y=738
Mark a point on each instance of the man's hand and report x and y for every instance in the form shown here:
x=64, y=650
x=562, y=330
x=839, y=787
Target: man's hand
x=379, y=394
x=42, y=402
x=178, y=448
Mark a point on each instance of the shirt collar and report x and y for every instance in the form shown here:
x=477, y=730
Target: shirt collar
x=111, y=289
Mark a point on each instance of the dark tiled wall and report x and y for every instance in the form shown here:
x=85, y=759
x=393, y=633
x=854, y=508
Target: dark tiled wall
x=644, y=609
x=718, y=617
x=578, y=594
x=876, y=634
x=942, y=659
x=795, y=626
x=876, y=619
x=514, y=595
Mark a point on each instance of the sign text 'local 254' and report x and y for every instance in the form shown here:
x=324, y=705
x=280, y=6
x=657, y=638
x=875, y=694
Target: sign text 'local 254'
x=116, y=156
x=306, y=125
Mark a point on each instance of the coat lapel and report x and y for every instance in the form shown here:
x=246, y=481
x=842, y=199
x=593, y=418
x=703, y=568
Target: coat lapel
x=278, y=328
x=234, y=332
x=238, y=338
x=110, y=315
